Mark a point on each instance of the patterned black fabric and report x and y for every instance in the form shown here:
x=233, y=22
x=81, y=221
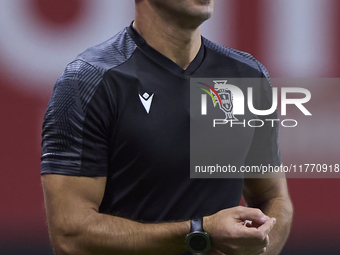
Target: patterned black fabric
x=97, y=125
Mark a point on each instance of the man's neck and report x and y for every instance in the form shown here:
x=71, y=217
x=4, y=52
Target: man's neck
x=174, y=41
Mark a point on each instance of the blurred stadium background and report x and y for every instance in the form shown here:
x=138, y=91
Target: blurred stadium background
x=292, y=38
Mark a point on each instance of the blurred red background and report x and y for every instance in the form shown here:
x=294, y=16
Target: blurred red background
x=293, y=39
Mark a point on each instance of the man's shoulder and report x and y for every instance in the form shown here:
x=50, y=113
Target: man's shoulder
x=236, y=55
x=89, y=67
x=110, y=53
x=83, y=75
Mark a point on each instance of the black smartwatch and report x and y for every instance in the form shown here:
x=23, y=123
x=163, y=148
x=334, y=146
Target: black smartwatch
x=198, y=241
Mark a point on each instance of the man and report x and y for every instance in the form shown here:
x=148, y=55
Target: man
x=115, y=163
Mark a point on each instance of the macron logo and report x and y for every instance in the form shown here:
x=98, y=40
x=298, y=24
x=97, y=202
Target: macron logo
x=146, y=100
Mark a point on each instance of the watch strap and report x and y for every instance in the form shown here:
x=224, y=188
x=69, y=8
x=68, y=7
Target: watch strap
x=196, y=225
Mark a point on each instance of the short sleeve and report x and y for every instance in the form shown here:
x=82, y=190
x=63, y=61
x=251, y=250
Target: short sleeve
x=75, y=129
x=264, y=148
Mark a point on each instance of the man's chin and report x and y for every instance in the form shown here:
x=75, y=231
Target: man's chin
x=203, y=15
x=205, y=2
x=205, y=9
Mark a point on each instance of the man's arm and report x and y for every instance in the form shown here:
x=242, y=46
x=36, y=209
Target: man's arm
x=77, y=227
x=272, y=197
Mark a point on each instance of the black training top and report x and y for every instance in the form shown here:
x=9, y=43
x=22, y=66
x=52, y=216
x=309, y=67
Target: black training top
x=102, y=121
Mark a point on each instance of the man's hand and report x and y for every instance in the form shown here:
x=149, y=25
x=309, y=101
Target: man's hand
x=271, y=196
x=230, y=235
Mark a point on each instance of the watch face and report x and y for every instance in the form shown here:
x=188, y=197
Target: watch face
x=199, y=242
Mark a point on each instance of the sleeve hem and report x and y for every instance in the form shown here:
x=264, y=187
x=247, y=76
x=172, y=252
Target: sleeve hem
x=71, y=173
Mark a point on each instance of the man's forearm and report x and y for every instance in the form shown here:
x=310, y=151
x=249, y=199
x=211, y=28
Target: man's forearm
x=105, y=234
x=280, y=208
